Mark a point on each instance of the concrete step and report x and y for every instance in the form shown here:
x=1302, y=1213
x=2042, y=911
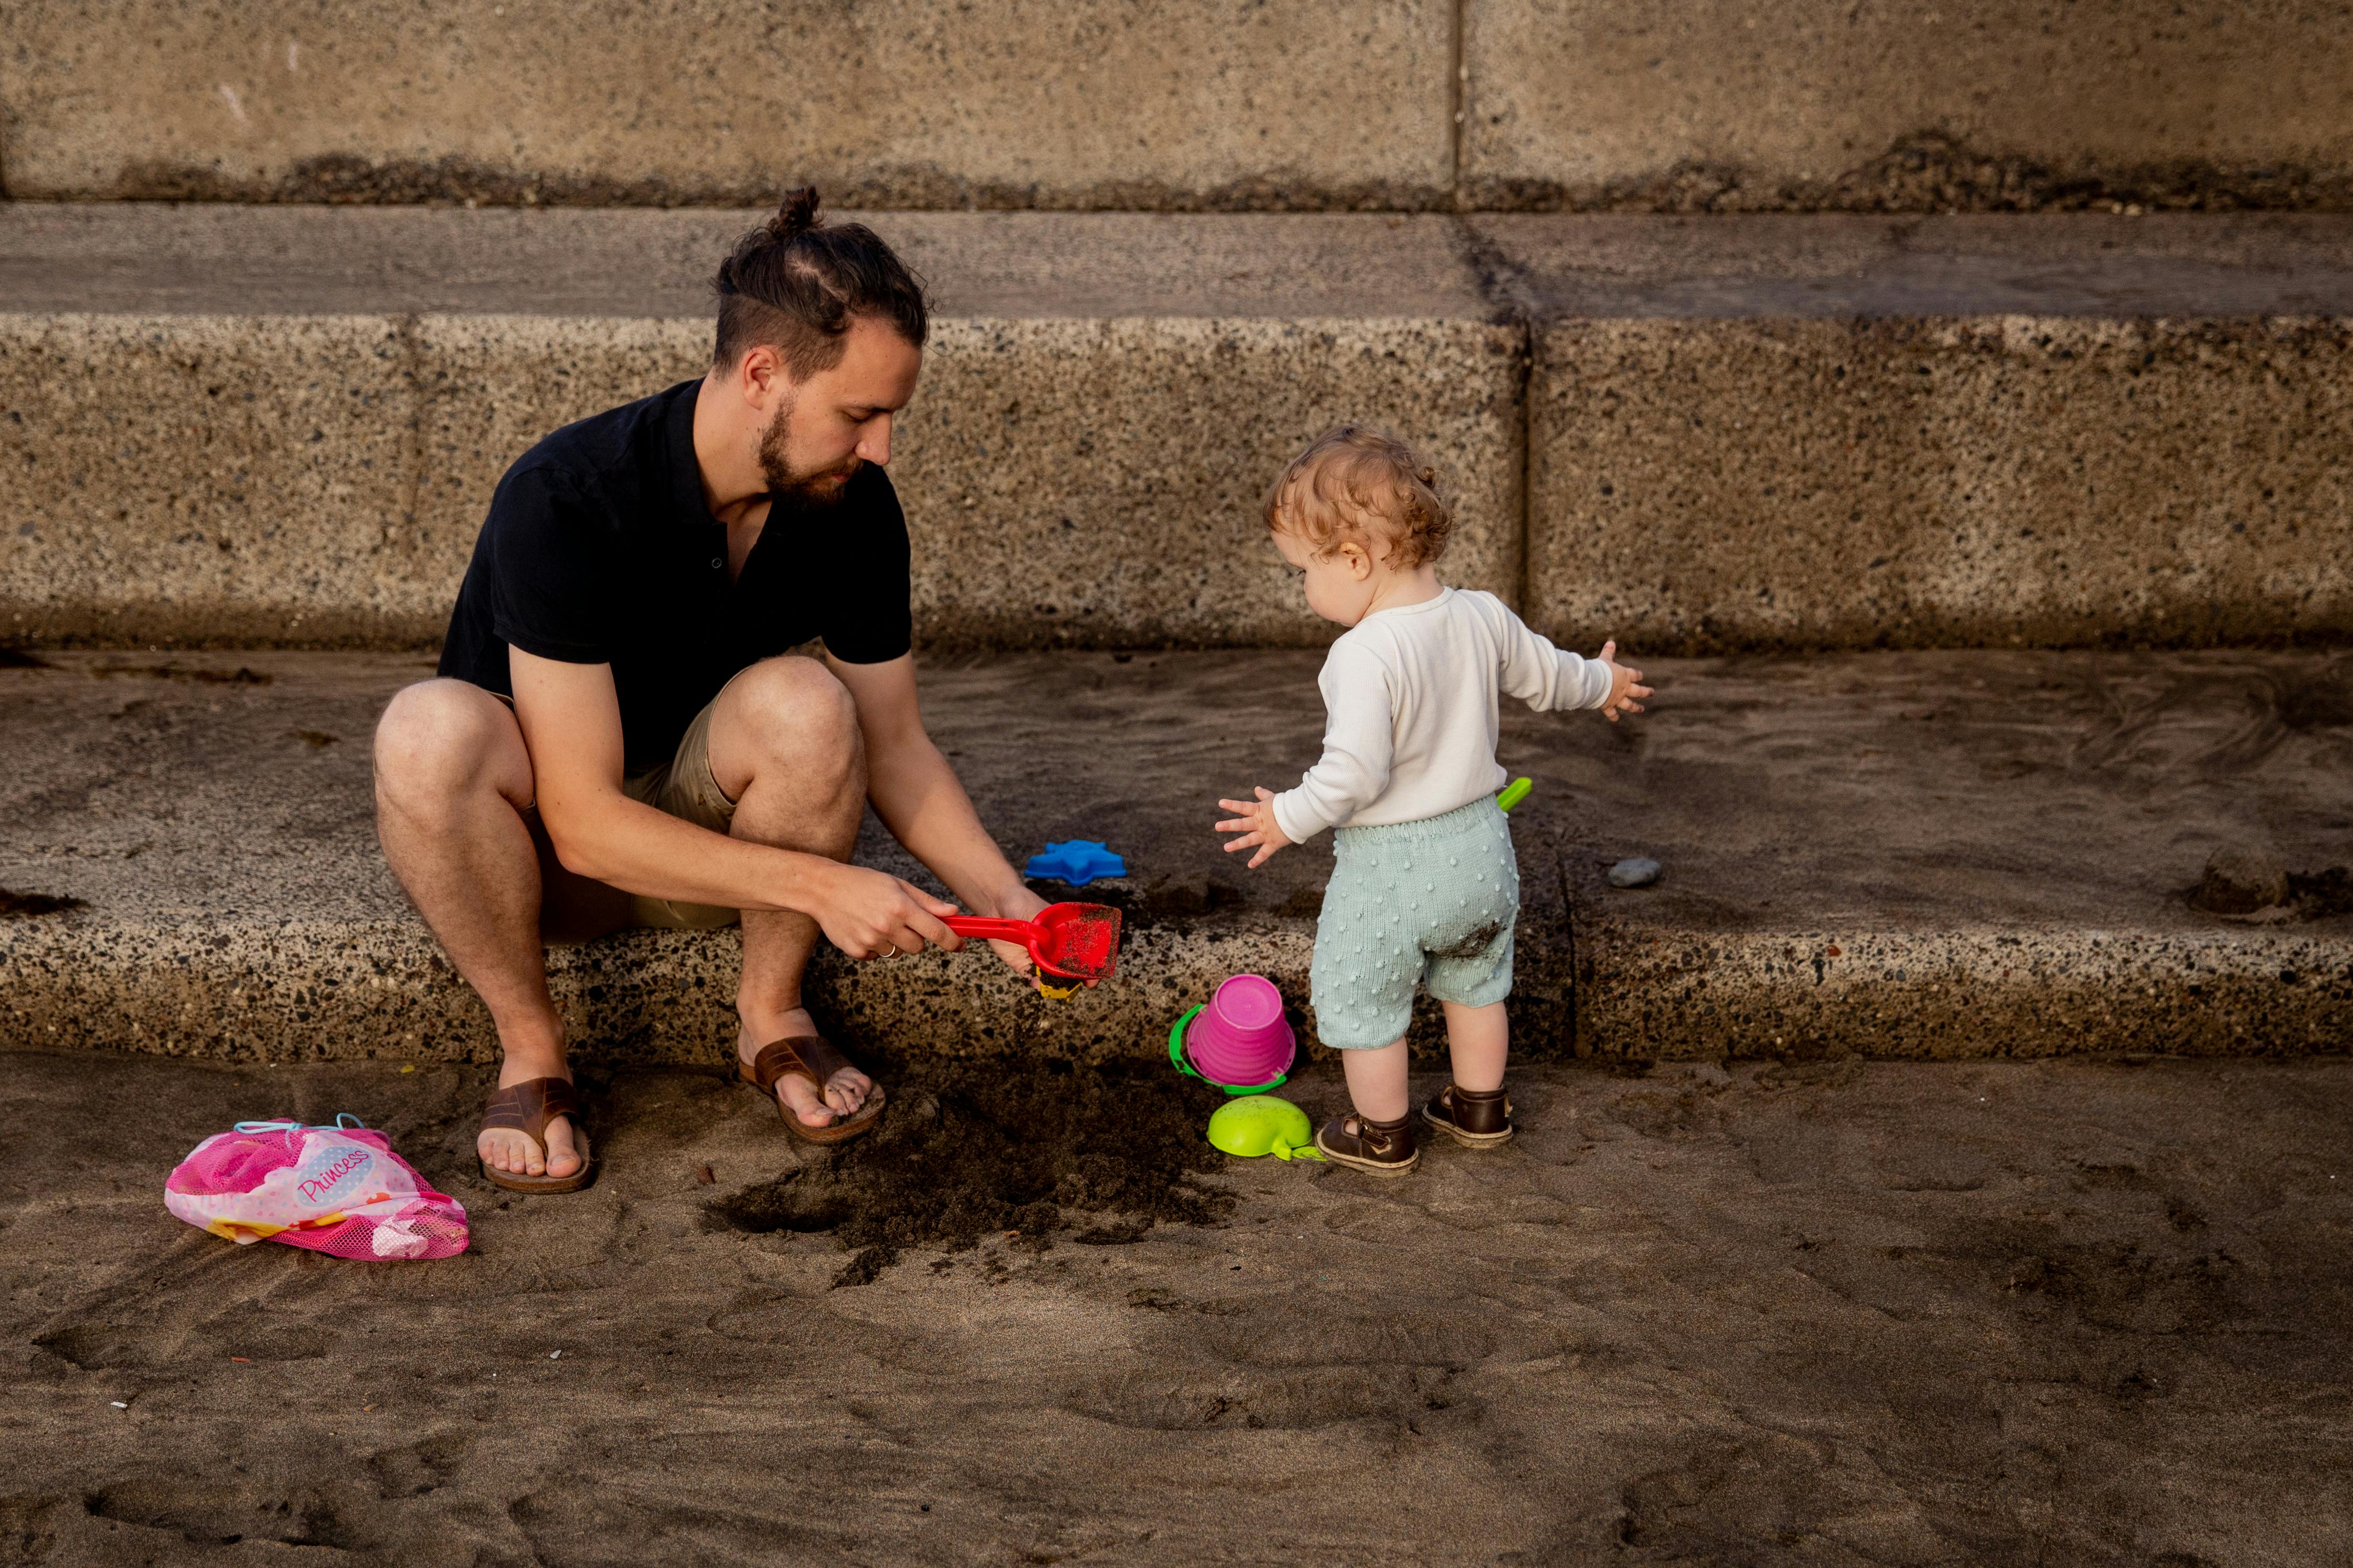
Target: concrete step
x=332, y=394
x=1913, y=105
x=1919, y=855
x=280, y=425
x=1779, y=433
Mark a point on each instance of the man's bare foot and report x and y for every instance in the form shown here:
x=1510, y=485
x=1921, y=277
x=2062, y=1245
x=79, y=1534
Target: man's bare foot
x=844, y=1092
x=506, y=1149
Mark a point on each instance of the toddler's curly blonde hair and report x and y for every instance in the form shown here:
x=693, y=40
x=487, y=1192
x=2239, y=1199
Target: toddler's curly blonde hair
x=1354, y=482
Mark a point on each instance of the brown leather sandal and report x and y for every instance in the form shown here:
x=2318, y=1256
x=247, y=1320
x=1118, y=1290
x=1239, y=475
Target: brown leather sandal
x=1474, y=1118
x=1380, y=1148
x=527, y=1108
x=816, y=1058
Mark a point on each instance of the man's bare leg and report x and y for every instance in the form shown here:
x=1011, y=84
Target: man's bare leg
x=452, y=778
x=785, y=745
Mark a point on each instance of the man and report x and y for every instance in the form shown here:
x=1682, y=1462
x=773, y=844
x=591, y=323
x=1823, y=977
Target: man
x=614, y=738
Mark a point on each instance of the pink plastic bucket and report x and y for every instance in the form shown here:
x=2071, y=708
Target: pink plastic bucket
x=1241, y=1037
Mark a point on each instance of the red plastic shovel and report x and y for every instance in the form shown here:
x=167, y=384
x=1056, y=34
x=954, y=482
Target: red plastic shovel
x=1073, y=941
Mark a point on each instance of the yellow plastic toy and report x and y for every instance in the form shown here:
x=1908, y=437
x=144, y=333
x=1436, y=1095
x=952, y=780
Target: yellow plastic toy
x=1263, y=1124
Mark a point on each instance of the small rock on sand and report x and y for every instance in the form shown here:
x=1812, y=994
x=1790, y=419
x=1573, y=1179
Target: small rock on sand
x=2242, y=878
x=1635, y=872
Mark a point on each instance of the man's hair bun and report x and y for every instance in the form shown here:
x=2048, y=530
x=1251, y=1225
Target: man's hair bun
x=795, y=217
x=796, y=284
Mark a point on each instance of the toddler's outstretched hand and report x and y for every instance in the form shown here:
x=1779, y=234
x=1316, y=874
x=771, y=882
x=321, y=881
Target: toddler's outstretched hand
x=1625, y=684
x=1255, y=820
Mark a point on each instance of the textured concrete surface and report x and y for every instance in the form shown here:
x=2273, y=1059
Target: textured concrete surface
x=411, y=357
x=238, y=904
x=1837, y=266
x=206, y=259
x=1958, y=481
x=1914, y=106
x=1787, y=432
x=193, y=477
x=1917, y=105
x=2072, y=1313
x=1218, y=103
x=2121, y=432
x=1915, y=855
x=1142, y=451
x=1923, y=853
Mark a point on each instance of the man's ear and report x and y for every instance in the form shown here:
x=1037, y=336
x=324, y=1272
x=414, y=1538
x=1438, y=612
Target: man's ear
x=760, y=376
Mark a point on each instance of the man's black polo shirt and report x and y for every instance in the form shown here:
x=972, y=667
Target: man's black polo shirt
x=598, y=549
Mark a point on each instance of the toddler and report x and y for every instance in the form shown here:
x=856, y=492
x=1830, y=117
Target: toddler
x=1424, y=885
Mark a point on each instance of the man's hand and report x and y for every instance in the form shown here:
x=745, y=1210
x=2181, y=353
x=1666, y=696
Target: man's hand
x=872, y=914
x=917, y=794
x=1021, y=907
x=1625, y=684
x=1255, y=820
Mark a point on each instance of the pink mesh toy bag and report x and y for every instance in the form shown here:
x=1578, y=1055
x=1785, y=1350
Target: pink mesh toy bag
x=338, y=1190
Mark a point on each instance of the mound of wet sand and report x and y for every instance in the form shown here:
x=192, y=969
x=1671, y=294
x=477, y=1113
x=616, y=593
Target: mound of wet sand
x=1018, y=1149
x=2067, y=1313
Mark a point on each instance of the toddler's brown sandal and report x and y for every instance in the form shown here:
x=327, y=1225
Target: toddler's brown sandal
x=1378, y=1148
x=527, y=1108
x=1474, y=1118
x=816, y=1058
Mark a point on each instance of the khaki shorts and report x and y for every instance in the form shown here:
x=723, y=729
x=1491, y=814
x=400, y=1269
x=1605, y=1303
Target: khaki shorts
x=575, y=907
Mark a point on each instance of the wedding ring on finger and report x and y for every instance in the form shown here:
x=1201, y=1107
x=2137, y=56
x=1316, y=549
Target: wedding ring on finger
x=888, y=953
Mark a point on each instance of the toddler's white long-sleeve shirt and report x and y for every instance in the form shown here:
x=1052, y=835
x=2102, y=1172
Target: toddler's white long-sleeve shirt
x=1411, y=696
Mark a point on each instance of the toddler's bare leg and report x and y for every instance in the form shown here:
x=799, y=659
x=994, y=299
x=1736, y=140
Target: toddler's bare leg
x=1376, y=1081
x=1477, y=1039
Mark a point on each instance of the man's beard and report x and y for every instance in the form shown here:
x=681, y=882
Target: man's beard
x=795, y=487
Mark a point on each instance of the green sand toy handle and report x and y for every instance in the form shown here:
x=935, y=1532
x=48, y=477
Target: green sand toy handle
x=1515, y=792
x=1177, y=1043
x=1177, y=1059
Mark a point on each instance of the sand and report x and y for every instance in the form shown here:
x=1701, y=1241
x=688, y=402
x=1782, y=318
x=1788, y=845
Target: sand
x=2068, y=1311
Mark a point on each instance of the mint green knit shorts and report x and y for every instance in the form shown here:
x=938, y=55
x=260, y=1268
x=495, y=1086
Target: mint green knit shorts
x=1409, y=904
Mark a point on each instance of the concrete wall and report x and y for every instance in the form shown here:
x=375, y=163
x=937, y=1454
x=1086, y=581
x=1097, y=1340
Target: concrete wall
x=1718, y=485
x=1695, y=485
x=282, y=424
x=1904, y=105
x=321, y=479
x=1102, y=103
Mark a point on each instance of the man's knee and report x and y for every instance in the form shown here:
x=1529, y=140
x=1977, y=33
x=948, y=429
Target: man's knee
x=791, y=710
x=438, y=737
